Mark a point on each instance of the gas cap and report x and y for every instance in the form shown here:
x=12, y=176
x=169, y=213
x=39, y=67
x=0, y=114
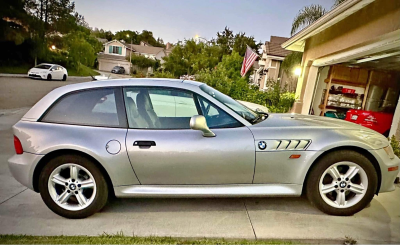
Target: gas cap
x=113, y=147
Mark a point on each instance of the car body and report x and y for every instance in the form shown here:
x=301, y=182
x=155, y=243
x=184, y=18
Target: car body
x=254, y=106
x=49, y=72
x=118, y=70
x=174, y=138
x=378, y=121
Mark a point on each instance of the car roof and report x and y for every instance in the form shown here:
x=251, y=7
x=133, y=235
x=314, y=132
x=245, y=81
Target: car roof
x=38, y=109
x=46, y=64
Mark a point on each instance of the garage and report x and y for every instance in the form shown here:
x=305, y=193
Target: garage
x=351, y=65
x=107, y=62
x=363, y=90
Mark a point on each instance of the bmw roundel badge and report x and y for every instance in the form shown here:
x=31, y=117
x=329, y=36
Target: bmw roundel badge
x=262, y=145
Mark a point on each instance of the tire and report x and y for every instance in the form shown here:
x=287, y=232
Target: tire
x=64, y=78
x=74, y=207
x=319, y=181
x=49, y=77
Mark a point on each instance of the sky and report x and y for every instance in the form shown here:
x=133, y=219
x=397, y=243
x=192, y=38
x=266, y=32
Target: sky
x=174, y=20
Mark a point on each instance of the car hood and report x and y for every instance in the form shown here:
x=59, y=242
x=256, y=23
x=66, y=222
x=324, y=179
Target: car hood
x=299, y=120
x=37, y=70
x=323, y=131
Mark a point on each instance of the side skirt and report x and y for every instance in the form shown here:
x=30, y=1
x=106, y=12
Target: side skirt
x=244, y=190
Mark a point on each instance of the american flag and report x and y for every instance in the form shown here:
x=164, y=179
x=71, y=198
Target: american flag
x=249, y=57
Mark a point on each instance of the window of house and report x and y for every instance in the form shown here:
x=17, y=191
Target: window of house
x=115, y=50
x=92, y=108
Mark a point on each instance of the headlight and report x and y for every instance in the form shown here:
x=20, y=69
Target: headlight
x=389, y=151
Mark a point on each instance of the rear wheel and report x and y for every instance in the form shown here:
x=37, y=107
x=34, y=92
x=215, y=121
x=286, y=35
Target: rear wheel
x=49, y=77
x=73, y=187
x=342, y=183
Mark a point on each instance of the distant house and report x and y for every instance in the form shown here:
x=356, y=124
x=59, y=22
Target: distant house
x=269, y=66
x=116, y=53
x=102, y=40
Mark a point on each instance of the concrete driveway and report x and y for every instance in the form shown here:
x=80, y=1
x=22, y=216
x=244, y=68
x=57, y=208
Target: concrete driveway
x=23, y=212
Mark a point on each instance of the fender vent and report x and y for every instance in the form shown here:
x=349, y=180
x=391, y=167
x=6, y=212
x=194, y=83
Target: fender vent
x=292, y=144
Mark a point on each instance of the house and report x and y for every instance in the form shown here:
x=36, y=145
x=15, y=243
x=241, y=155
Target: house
x=269, y=66
x=355, y=46
x=116, y=53
x=102, y=40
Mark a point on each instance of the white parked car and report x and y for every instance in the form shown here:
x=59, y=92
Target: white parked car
x=254, y=106
x=49, y=72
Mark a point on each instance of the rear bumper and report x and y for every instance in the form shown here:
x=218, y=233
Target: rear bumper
x=388, y=177
x=22, y=167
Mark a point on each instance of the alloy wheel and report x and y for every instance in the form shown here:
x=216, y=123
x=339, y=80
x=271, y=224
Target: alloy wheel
x=72, y=187
x=343, y=184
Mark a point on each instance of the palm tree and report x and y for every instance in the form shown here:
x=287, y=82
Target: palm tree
x=305, y=17
x=309, y=14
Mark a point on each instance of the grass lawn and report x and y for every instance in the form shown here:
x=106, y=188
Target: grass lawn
x=23, y=69
x=121, y=239
x=84, y=71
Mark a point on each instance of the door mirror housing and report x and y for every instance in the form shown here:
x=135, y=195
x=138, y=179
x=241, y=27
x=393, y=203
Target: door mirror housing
x=199, y=123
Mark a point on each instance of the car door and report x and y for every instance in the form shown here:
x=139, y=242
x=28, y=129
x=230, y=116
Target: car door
x=55, y=72
x=163, y=150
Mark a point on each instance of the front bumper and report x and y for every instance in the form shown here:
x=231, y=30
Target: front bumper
x=42, y=76
x=22, y=167
x=385, y=163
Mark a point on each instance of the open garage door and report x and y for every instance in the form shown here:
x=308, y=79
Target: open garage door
x=363, y=90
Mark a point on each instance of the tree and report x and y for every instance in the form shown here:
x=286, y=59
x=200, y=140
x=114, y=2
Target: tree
x=190, y=57
x=102, y=34
x=309, y=14
x=230, y=42
x=227, y=79
x=145, y=36
x=305, y=17
x=291, y=61
x=123, y=35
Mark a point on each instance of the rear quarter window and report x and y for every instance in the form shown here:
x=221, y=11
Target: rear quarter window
x=91, y=107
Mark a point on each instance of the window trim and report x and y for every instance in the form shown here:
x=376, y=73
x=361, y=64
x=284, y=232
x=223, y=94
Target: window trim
x=119, y=102
x=217, y=107
x=196, y=102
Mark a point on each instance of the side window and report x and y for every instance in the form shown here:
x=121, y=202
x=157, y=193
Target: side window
x=216, y=117
x=93, y=108
x=159, y=108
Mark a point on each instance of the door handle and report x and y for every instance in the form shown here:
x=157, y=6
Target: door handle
x=144, y=143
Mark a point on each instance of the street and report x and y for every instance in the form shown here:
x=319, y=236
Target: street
x=23, y=212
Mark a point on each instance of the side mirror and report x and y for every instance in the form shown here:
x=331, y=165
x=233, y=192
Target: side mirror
x=199, y=123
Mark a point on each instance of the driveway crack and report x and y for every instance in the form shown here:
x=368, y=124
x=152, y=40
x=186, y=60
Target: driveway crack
x=248, y=216
x=13, y=196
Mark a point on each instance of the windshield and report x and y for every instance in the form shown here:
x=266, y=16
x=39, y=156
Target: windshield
x=240, y=109
x=43, y=67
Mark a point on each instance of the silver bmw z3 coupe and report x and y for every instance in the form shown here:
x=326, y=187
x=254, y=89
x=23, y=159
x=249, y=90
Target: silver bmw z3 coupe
x=136, y=138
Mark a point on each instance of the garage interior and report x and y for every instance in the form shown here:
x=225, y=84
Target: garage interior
x=364, y=90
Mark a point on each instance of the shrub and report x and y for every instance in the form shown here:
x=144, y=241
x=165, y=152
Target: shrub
x=163, y=74
x=143, y=62
x=227, y=79
x=395, y=145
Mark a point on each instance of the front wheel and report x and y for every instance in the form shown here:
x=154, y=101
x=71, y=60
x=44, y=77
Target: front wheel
x=342, y=183
x=49, y=77
x=73, y=187
x=64, y=78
